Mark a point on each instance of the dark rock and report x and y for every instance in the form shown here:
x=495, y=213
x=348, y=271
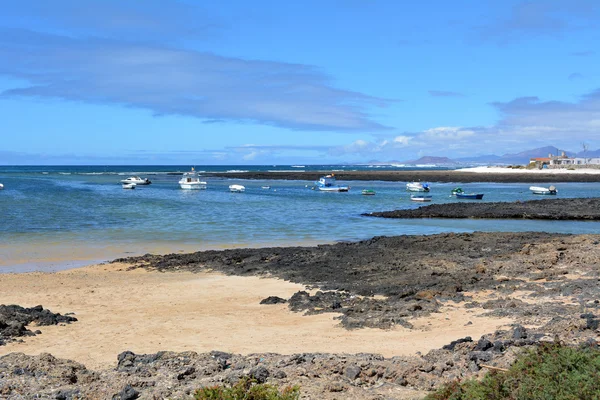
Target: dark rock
x=479, y=356
x=14, y=319
x=260, y=374
x=280, y=374
x=519, y=332
x=453, y=344
x=483, y=345
x=352, y=372
x=273, y=300
x=128, y=393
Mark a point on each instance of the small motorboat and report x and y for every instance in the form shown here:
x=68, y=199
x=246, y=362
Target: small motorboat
x=190, y=180
x=327, y=184
x=417, y=187
x=129, y=185
x=420, y=197
x=266, y=187
x=469, y=196
x=137, y=180
x=237, y=188
x=543, y=190
x=368, y=192
x=1, y=186
x=455, y=191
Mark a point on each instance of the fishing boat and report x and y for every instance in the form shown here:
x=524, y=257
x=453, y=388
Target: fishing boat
x=190, y=180
x=128, y=185
x=543, y=190
x=327, y=184
x=417, y=187
x=469, y=196
x=237, y=188
x=420, y=197
x=137, y=180
x=456, y=190
x=368, y=192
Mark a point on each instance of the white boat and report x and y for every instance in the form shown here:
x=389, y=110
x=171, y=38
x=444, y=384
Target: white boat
x=137, y=180
x=327, y=184
x=237, y=188
x=420, y=197
x=417, y=187
x=190, y=180
x=543, y=190
x=266, y=187
x=1, y=186
x=129, y=185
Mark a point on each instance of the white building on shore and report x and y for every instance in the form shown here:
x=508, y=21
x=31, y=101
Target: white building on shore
x=563, y=161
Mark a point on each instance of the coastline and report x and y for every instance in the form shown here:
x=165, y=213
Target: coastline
x=426, y=309
x=467, y=175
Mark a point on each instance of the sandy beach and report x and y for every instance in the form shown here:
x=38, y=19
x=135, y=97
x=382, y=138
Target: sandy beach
x=146, y=312
x=391, y=317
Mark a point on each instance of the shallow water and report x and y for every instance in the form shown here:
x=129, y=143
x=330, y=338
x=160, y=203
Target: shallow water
x=71, y=216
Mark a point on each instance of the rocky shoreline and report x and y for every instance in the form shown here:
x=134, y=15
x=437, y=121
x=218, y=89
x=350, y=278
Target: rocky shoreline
x=546, y=283
x=409, y=176
x=587, y=209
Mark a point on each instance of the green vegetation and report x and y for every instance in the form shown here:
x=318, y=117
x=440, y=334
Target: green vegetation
x=247, y=389
x=550, y=371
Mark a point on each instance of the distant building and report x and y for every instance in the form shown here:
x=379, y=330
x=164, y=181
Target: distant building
x=562, y=161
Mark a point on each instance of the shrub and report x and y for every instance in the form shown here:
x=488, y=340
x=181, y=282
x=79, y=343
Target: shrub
x=550, y=371
x=247, y=389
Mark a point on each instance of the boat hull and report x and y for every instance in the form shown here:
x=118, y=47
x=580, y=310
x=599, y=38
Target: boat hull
x=334, y=189
x=417, y=187
x=193, y=186
x=237, y=188
x=543, y=191
x=469, y=196
x=420, y=198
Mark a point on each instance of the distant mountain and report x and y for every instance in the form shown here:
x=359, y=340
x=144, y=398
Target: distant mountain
x=589, y=154
x=521, y=158
x=432, y=160
x=485, y=159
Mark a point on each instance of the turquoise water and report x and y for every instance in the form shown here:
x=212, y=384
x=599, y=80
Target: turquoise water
x=85, y=213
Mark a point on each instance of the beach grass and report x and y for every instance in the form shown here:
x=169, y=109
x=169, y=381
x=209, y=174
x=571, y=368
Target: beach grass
x=549, y=371
x=248, y=389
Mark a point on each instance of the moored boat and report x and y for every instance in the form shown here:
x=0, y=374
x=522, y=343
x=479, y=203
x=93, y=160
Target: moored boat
x=469, y=196
x=417, y=187
x=420, y=197
x=543, y=190
x=190, y=180
x=327, y=183
x=237, y=188
x=368, y=192
x=456, y=190
x=137, y=180
x=1, y=186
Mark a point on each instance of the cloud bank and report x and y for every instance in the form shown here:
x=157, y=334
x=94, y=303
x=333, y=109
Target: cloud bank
x=117, y=53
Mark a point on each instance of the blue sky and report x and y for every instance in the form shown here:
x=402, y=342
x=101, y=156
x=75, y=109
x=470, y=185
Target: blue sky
x=311, y=82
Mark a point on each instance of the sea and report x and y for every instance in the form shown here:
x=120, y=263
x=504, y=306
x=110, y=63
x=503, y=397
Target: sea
x=60, y=217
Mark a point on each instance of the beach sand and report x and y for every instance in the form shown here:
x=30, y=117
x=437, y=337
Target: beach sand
x=146, y=312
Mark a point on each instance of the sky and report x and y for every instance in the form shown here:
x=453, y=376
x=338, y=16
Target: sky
x=305, y=82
